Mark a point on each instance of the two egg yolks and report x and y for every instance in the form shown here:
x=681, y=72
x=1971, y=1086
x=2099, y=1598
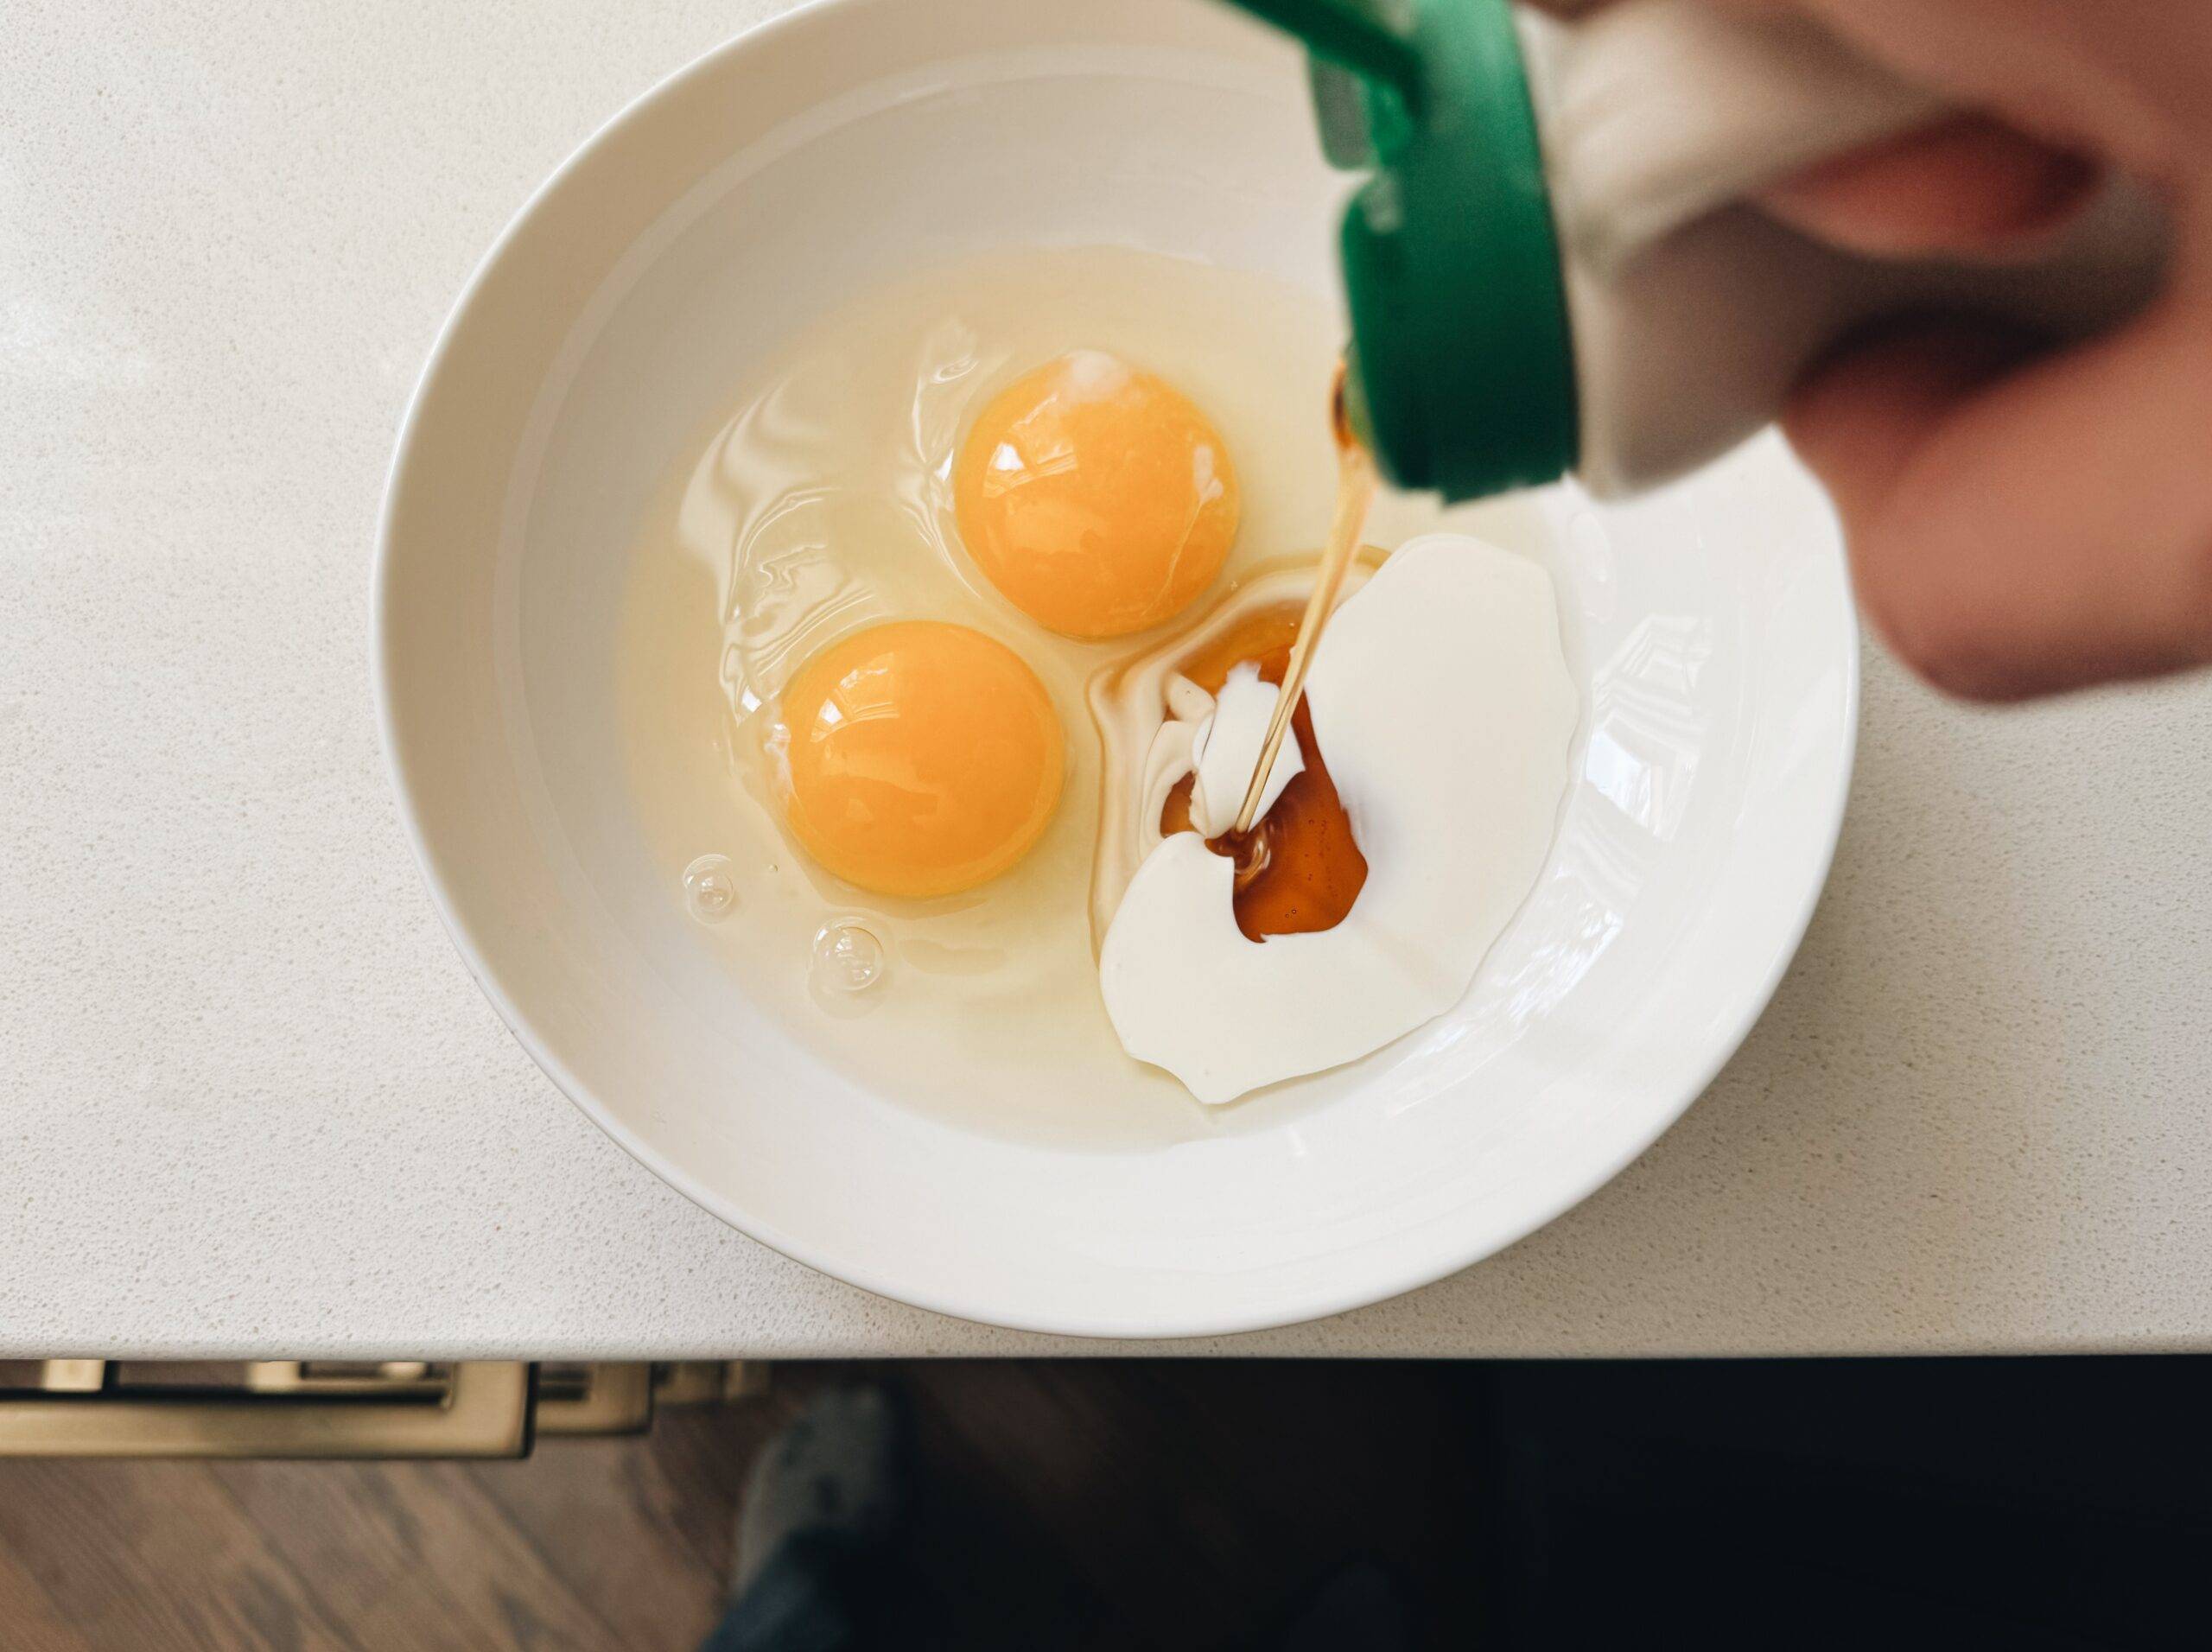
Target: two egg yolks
x=917, y=758
x=920, y=758
x=1095, y=497
x=1299, y=869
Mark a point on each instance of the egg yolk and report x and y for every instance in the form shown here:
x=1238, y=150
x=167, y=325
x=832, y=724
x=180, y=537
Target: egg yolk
x=1095, y=497
x=917, y=758
x=1300, y=868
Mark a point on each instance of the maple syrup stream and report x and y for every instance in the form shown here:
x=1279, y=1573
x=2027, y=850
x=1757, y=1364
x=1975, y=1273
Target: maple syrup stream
x=1355, y=491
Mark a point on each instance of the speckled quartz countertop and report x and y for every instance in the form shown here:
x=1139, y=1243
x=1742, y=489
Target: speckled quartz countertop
x=250, y=1102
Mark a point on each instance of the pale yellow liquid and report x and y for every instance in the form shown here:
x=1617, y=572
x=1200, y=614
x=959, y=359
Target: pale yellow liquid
x=824, y=504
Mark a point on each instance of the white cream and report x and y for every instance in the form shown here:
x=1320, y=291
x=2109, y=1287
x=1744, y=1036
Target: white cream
x=1147, y=715
x=1226, y=749
x=1441, y=703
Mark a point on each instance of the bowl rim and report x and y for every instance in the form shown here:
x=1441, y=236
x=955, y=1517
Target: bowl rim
x=1164, y=1323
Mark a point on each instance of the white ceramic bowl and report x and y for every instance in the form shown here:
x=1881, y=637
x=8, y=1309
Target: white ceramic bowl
x=844, y=146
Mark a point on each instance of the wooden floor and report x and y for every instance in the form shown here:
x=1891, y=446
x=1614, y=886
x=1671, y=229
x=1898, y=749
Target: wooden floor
x=1076, y=1504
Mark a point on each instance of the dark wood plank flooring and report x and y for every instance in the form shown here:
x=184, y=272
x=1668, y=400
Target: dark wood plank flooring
x=1076, y=1504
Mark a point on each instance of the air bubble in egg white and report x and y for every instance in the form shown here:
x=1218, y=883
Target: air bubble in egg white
x=710, y=888
x=847, y=958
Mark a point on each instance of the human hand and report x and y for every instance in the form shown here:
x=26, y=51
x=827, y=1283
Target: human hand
x=2023, y=519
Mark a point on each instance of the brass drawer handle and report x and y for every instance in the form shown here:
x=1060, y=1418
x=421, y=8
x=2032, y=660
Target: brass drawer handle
x=286, y=1408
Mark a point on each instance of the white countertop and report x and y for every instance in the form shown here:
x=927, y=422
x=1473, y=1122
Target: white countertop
x=251, y=1103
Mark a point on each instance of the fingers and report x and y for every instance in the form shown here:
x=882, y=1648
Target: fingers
x=1967, y=187
x=1860, y=417
x=2019, y=532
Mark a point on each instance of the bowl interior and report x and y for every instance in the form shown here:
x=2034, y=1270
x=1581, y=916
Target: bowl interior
x=850, y=144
